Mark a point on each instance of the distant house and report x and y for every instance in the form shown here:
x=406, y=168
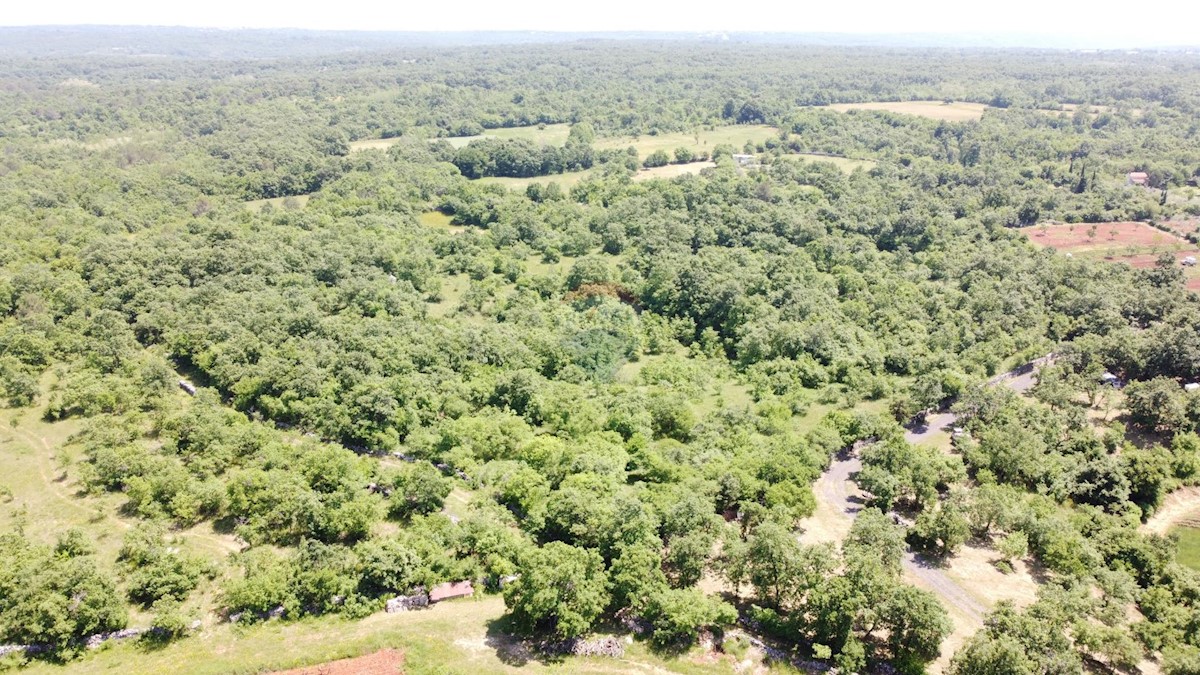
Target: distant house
x=1191, y=386
x=449, y=591
x=1138, y=178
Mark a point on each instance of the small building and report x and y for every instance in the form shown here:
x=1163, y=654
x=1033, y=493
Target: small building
x=1189, y=261
x=1191, y=386
x=1138, y=178
x=449, y=591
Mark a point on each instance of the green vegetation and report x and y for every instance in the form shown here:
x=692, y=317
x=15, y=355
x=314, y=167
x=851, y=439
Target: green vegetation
x=604, y=399
x=1189, y=546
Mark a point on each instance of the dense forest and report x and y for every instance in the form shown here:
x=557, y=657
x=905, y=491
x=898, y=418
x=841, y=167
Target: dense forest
x=604, y=401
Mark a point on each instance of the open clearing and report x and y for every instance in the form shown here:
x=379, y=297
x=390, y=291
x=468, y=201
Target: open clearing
x=844, y=163
x=450, y=637
x=1108, y=237
x=440, y=221
x=1189, y=546
x=1133, y=243
x=704, y=140
x=564, y=180
x=382, y=662
x=935, y=110
x=556, y=134
x=1180, y=515
x=1182, y=505
x=571, y=178
x=672, y=170
x=41, y=472
x=547, y=134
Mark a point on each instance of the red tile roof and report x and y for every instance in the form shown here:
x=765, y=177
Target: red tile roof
x=458, y=589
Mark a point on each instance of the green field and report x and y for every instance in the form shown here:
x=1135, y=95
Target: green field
x=40, y=471
x=844, y=163
x=672, y=170
x=699, y=140
x=1189, y=546
x=556, y=134
x=440, y=221
x=454, y=637
x=548, y=134
x=564, y=180
x=937, y=110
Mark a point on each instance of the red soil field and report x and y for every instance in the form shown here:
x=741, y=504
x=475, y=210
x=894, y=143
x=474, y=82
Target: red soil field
x=1144, y=260
x=1146, y=241
x=382, y=662
x=1065, y=237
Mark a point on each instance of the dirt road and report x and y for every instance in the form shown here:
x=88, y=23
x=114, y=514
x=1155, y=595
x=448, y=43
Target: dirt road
x=839, y=501
x=1019, y=380
x=1179, y=506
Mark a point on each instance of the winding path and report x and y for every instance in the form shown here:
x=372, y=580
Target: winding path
x=1019, y=379
x=839, y=500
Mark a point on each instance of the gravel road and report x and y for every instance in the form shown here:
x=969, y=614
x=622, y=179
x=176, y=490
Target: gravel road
x=839, y=494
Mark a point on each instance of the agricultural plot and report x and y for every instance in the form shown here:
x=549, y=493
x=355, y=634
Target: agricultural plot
x=1179, y=515
x=1069, y=110
x=936, y=110
x=1189, y=546
x=672, y=170
x=572, y=178
x=701, y=140
x=1135, y=244
x=440, y=221
x=846, y=164
x=564, y=180
x=543, y=134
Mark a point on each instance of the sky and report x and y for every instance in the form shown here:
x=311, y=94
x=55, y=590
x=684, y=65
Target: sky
x=1167, y=22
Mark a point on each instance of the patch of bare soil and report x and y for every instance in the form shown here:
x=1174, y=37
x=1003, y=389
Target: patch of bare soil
x=838, y=502
x=1181, y=505
x=382, y=662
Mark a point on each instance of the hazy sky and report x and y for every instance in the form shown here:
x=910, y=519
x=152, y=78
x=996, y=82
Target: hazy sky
x=1163, y=22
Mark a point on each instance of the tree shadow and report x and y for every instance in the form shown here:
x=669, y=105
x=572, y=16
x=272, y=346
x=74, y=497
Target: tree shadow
x=226, y=525
x=152, y=642
x=1038, y=572
x=929, y=561
x=512, y=650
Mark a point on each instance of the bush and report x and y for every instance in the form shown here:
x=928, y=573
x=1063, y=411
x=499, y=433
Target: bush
x=656, y=159
x=678, y=615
